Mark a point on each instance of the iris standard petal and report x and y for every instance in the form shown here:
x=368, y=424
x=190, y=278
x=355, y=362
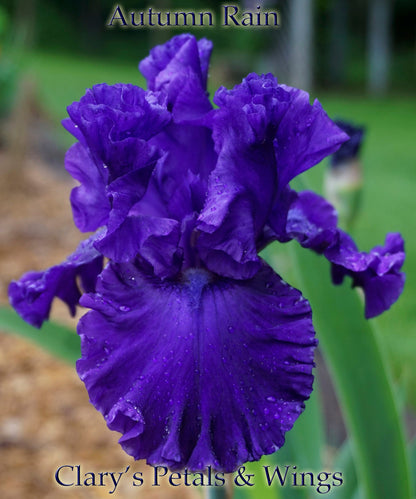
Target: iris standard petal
x=114, y=159
x=305, y=136
x=32, y=295
x=302, y=133
x=116, y=121
x=241, y=187
x=265, y=134
x=201, y=371
x=179, y=69
x=189, y=155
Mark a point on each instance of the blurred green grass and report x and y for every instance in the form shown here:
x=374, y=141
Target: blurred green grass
x=389, y=205
x=389, y=158
x=63, y=79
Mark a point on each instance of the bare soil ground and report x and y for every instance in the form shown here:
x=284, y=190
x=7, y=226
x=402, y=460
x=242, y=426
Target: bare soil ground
x=46, y=420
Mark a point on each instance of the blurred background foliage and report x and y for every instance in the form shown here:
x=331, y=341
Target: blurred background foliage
x=76, y=27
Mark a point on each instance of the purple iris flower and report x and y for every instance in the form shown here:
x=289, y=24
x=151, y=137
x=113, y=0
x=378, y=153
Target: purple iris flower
x=194, y=348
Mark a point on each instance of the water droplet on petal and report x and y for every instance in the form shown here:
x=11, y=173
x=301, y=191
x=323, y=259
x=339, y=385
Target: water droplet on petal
x=271, y=399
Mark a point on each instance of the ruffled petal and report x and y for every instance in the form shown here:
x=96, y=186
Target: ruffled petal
x=312, y=221
x=90, y=204
x=229, y=247
x=116, y=121
x=265, y=134
x=200, y=371
x=180, y=181
x=377, y=272
x=278, y=216
x=302, y=133
x=115, y=158
x=32, y=295
x=242, y=185
x=179, y=69
x=155, y=239
x=306, y=135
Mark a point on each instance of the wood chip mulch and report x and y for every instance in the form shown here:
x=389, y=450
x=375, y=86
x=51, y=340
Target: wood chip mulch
x=46, y=420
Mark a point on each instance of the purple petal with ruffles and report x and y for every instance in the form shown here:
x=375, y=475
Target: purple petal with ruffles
x=200, y=371
x=155, y=239
x=182, y=51
x=90, y=204
x=189, y=156
x=114, y=159
x=32, y=295
x=116, y=121
x=179, y=69
x=312, y=221
x=265, y=134
x=377, y=272
x=241, y=187
x=306, y=135
x=230, y=250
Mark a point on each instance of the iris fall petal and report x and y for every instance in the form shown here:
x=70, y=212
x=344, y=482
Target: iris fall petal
x=201, y=371
x=32, y=295
x=313, y=222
